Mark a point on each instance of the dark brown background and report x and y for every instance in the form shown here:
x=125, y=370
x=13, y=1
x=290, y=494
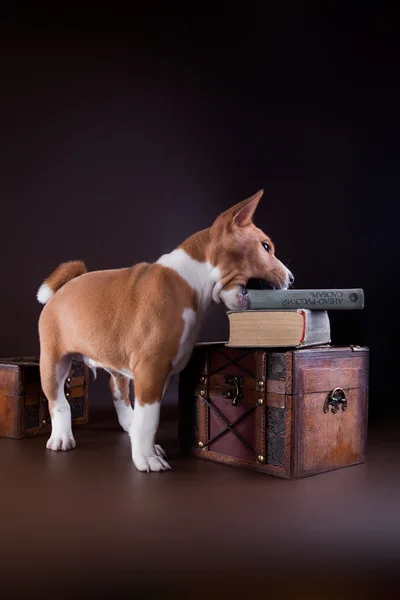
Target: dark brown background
x=123, y=135
x=120, y=136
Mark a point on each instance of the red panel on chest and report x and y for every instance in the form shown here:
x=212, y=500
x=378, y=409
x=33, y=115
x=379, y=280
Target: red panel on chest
x=240, y=440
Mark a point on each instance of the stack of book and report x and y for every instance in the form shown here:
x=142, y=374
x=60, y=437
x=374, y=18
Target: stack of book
x=289, y=318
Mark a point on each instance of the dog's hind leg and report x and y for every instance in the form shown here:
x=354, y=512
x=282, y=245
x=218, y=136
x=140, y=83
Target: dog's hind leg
x=53, y=373
x=119, y=385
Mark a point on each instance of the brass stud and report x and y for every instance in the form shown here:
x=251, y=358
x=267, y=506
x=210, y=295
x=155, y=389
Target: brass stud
x=260, y=383
x=201, y=445
x=260, y=458
x=67, y=395
x=202, y=379
x=68, y=379
x=202, y=392
x=260, y=401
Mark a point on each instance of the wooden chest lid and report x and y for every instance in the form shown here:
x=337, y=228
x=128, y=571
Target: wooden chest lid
x=20, y=361
x=17, y=373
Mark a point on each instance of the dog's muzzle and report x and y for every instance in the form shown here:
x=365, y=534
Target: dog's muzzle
x=235, y=298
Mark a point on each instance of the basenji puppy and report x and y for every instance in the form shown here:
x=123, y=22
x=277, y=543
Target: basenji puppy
x=141, y=322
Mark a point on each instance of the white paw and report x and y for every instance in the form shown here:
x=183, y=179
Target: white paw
x=64, y=441
x=160, y=451
x=154, y=462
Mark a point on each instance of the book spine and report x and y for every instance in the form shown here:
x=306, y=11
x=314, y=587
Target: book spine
x=340, y=299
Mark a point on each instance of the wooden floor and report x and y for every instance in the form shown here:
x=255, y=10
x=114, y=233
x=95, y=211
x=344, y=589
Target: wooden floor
x=86, y=522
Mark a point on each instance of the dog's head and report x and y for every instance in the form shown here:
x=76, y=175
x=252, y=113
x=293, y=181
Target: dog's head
x=240, y=251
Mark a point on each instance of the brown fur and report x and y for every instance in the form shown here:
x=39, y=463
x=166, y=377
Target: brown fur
x=131, y=319
x=125, y=322
x=64, y=273
x=196, y=245
x=234, y=244
x=121, y=383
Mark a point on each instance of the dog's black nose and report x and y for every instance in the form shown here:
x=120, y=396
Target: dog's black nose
x=291, y=278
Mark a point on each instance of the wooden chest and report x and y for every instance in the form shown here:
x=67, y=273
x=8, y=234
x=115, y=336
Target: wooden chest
x=289, y=413
x=23, y=406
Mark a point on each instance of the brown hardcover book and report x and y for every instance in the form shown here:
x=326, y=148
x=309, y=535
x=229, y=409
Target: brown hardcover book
x=289, y=413
x=279, y=328
x=23, y=405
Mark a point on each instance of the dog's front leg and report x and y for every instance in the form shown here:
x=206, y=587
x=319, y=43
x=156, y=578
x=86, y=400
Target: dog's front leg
x=149, y=388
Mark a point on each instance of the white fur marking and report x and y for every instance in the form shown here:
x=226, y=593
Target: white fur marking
x=145, y=454
x=93, y=365
x=124, y=412
x=216, y=292
x=201, y=276
x=61, y=428
x=187, y=340
x=126, y=373
x=234, y=299
x=44, y=293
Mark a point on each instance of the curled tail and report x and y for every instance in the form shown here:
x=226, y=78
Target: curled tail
x=59, y=277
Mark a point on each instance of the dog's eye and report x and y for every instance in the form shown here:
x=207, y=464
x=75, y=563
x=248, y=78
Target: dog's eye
x=266, y=246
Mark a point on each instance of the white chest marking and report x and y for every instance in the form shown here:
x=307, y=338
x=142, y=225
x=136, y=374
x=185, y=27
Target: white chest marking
x=201, y=276
x=187, y=341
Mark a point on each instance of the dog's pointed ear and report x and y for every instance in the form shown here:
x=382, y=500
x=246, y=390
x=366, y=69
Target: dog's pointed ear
x=242, y=213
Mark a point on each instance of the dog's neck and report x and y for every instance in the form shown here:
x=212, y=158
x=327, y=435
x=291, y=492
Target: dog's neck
x=191, y=261
x=197, y=246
